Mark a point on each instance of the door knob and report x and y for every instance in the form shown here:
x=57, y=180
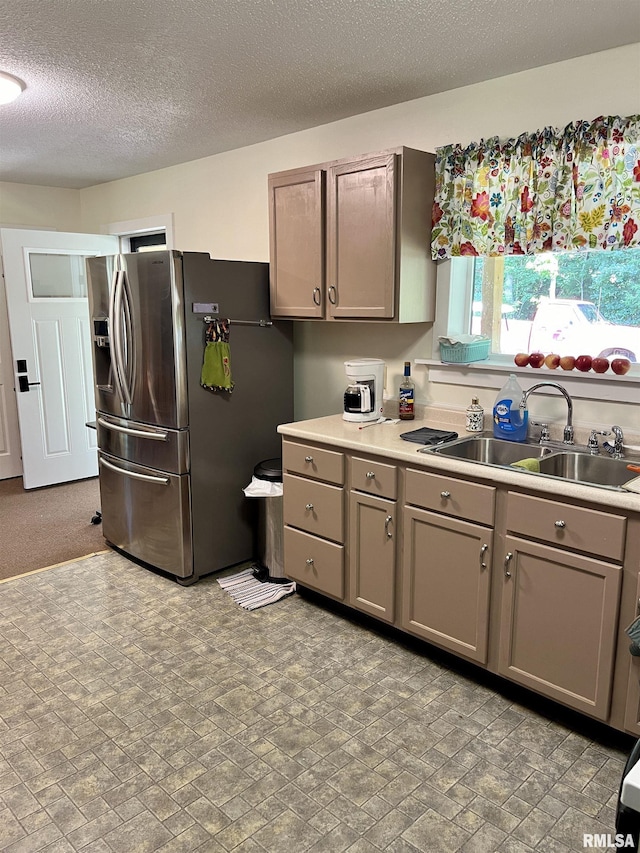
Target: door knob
x=24, y=384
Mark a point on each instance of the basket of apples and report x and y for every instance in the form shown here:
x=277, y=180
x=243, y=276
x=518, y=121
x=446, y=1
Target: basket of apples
x=583, y=363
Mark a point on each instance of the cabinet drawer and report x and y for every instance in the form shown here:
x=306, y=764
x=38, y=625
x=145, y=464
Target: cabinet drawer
x=327, y=465
x=569, y=526
x=376, y=478
x=315, y=507
x=314, y=562
x=471, y=501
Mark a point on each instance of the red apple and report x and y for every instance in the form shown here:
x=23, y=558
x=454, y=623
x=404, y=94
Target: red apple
x=552, y=360
x=583, y=363
x=600, y=365
x=536, y=359
x=620, y=366
x=522, y=359
x=567, y=362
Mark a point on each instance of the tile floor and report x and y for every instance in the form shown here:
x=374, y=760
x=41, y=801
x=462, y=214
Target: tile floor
x=138, y=715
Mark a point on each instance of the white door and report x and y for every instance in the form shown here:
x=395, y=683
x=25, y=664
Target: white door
x=46, y=289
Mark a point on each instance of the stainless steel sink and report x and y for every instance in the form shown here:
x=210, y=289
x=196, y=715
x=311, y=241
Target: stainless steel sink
x=555, y=461
x=583, y=468
x=490, y=451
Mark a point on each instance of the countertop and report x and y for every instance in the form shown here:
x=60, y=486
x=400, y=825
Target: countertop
x=384, y=439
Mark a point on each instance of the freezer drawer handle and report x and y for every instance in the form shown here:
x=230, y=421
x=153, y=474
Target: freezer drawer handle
x=164, y=481
x=156, y=436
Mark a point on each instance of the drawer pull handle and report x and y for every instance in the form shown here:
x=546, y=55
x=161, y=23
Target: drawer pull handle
x=371, y=475
x=316, y=296
x=333, y=295
x=560, y=524
x=445, y=495
x=388, y=520
x=309, y=562
x=483, y=551
x=309, y=507
x=308, y=458
x=507, y=560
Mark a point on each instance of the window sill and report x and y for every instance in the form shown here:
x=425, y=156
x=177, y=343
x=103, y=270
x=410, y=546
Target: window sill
x=491, y=374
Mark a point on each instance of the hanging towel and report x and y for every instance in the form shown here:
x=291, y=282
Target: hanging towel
x=216, y=366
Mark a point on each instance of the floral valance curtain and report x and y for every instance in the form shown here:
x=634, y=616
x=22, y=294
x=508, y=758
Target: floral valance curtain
x=552, y=190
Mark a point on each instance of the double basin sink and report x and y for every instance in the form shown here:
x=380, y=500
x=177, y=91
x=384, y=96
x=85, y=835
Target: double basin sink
x=578, y=466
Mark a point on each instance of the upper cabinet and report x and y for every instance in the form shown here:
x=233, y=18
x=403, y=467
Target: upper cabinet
x=350, y=239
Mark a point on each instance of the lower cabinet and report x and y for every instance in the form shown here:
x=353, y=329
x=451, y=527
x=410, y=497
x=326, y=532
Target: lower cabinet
x=558, y=624
x=372, y=560
x=314, y=562
x=446, y=581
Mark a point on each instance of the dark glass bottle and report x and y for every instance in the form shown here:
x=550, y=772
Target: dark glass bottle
x=407, y=395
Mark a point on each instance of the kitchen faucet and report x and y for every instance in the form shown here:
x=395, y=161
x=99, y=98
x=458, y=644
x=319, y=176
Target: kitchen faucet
x=616, y=449
x=567, y=436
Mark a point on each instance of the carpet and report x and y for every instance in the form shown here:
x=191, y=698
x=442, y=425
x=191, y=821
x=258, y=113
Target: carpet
x=251, y=593
x=44, y=527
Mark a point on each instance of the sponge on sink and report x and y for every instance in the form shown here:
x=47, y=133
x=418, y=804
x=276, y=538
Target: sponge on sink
x=528, y=465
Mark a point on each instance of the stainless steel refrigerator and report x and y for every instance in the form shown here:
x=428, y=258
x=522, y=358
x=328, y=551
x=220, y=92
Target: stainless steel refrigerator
x=174, y=456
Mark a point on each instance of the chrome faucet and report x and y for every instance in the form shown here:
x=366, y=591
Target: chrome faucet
x=616, y=450
x=567, y=436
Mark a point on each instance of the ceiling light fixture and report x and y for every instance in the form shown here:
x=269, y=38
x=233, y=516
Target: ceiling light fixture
x=10, y=87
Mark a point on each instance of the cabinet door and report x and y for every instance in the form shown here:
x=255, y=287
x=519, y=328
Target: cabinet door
x=296, y=243
x=558, y=624
x=361, y=238
x=632, y=708
x=446, y=582
x=372, y=538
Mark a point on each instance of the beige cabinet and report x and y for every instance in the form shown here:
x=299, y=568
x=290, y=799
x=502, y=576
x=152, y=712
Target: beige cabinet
x=446, y=562
x=349, y=239
x=559, y=609
x=372, y=537
x=313, y=510
x=296, y=243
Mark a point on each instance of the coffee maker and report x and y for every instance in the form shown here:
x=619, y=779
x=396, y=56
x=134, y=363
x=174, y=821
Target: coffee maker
x=363, y=396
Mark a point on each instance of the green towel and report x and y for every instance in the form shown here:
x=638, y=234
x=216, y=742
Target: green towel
x=528, y=465
x=216, y=365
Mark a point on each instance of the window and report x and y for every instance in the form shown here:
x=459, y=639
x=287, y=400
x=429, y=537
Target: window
x=570, y=303
x=147, y=242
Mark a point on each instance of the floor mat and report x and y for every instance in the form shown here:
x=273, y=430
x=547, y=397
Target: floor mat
x=251, y=593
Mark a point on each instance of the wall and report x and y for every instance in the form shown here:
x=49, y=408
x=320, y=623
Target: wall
x=25, y=206
x=219, y=203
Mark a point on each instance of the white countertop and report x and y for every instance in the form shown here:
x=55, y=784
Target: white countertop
x=384, y=439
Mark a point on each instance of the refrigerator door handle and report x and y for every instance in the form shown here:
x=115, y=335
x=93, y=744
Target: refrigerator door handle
x=115, y=334
x=138, y=433
x=129, y=349
x=119, y=338
x=163, y=481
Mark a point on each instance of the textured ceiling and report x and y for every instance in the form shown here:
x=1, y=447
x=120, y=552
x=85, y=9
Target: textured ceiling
x=120, y=87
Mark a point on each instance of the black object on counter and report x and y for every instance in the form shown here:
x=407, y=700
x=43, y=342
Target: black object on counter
x=427, y=435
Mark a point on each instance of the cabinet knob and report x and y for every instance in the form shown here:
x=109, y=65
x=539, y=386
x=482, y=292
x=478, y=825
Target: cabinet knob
x=316, y=296
x=388, y=520
x=507, y=561
x=309, y=507
x=560, y=524
x=445, y=495
x=309, y=562
x=332, y=295
x=370, y=475
x=483, y=551
x=308, y=458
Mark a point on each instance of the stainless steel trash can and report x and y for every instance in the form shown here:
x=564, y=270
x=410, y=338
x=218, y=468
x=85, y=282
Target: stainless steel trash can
x=270, y=522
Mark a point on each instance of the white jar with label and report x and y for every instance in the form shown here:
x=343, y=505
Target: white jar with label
x=475, y=416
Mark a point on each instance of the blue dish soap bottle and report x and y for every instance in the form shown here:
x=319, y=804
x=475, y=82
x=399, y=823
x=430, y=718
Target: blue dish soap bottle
x=509, y=420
